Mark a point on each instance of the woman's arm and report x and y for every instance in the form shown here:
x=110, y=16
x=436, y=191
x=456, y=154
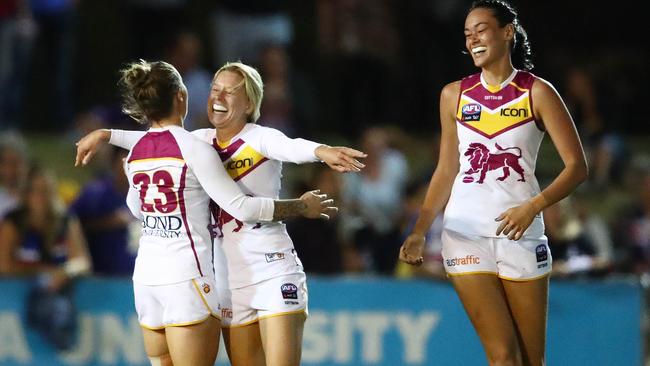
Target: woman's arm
x=208, y=169
x=89, y=144
x=551, y=111
x=79, y=261
x=442, y=180
x=277, y=146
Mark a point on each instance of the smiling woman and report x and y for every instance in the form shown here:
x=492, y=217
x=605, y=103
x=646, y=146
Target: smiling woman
x=496, y=254
x=230, y=103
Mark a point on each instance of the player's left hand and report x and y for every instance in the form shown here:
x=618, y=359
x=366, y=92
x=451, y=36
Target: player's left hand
x=89, y=144
x=318, y=205
x=515, y=220
x=340, y=158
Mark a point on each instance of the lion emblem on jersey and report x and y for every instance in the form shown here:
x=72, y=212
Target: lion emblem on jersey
x=482, y=161
x=224, y=218
x=221, y=218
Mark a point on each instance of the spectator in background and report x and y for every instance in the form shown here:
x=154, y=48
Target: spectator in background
x=109, y=227
x=17, y=33
x=277, y=109
x=289, y=98
x=13, y=170
x=605, y=148
x=372, y=202
x=39, y=238
x=633, y=230
x=185, y=54
x=242, y=27
x=318, y=241
x=579, y=239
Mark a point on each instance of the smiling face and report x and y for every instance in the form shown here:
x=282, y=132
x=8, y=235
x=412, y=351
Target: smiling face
x=485, y=40
x=228, y=104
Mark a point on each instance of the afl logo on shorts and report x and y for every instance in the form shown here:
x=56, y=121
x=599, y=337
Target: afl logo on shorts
x=471, y=112
x=289, y=291
x=206, y=288
x=541, y=252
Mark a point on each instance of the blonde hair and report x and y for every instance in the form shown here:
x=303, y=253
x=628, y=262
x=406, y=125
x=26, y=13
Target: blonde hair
x=252, y=82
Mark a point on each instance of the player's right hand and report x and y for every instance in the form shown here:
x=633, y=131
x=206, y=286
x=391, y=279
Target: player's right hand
x=411, y=250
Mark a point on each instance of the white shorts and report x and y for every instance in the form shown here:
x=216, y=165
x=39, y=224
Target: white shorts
x=273, y=297
x=176, y=305
x=521, y=260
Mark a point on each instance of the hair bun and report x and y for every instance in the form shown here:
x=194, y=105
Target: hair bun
x=148, y=89
x=138, y=74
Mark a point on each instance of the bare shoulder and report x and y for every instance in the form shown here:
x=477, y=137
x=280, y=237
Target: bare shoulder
x=449, y=98
x=543, y=89
x=450, y=91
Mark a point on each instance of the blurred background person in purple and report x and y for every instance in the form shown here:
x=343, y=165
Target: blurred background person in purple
x=111, y=231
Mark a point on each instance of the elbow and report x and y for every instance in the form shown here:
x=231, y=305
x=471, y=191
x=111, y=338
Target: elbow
x=580, y=171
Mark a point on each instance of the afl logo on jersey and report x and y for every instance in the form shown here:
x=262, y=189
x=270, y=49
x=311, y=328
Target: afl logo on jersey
x=471, y=112
x=206, y=288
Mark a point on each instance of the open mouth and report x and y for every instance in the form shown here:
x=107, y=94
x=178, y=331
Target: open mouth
x=219, y=108
x=479, y=50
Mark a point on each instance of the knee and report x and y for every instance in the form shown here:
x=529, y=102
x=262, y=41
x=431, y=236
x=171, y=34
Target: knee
x=505, y=356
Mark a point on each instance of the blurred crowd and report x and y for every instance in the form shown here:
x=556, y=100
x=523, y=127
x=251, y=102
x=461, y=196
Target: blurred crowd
x=365, y=73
